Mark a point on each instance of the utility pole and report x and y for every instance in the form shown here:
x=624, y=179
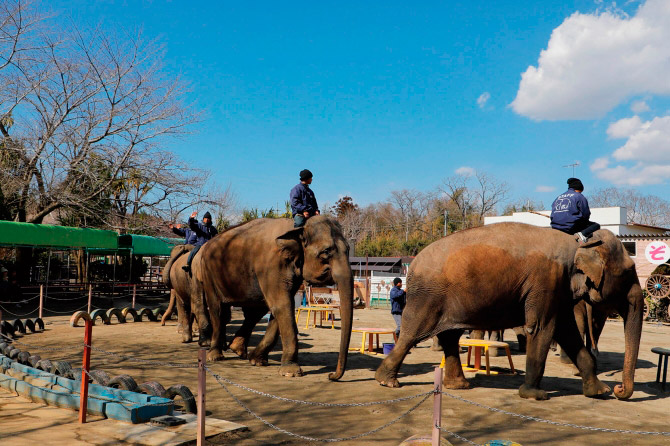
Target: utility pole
x=445, y=222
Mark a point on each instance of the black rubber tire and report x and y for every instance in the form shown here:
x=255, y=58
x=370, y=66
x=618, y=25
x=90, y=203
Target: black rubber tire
x=153, y=388
x=75, y=374
x=123, y=382
x=100, y=313
x=7, y=348
x=100, y=377
x=3, y=345
x=149, y=314
x=14, y=353
x=60, y=368
x=18, y=326
x=44, y=365
x=33, y=360
x=8, y=329
x=38, y=322
x=188, y=400
x=131, y=311
x=158, y=313
x=30, y=325
x=116, y=312
x=22, y=358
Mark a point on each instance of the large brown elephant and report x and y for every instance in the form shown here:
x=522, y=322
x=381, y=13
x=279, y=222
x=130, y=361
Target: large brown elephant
x=181, y=288
x=510, y=274
x=261, y=265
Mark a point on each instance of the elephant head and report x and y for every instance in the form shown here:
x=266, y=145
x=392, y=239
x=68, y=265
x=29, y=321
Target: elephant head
x=604, y=276
x=321, y=257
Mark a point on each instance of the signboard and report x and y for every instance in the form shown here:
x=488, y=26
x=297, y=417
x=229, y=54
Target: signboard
x=657, y=253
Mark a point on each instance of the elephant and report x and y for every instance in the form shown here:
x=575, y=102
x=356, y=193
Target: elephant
x=180, y=284
x=590, y=323
x=510, y=274
x=261, y=264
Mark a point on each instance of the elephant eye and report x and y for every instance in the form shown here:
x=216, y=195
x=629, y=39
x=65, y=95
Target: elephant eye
x=326, y=253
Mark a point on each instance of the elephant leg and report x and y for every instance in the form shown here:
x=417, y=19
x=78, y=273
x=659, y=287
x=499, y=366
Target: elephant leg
x=259, y=355
x=436, y=345
x=218, y=323
x=453, y=371
x=241, y=338
x=496, y=335
x=184, y=320
x=520, y=338
x=570, y=340
x=537, y=348
x=285, y=315
x=199, y=307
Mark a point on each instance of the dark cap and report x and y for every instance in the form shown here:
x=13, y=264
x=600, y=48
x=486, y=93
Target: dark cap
x=575, y=183
x=207, y=215
x=305, y=175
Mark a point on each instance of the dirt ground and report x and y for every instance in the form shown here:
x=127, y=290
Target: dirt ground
x=647, y=410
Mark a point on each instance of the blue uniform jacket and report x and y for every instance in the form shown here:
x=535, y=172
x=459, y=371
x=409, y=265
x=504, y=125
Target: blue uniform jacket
x=569, y=209
x=398, y=300
x=202, y=231
x=189, y=236
x=303, y=200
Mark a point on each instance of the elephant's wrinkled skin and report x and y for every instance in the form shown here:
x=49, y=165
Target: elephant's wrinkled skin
x=262, y=264
x=510, y=274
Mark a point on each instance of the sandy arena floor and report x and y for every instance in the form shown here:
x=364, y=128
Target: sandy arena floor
x=647, y=410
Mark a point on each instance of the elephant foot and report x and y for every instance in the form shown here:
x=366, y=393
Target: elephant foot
x=525, y=391
x=214, y=355
x=386, y=379
x=186, y=339
x=456, y=383
x=258, y=362
x=239, y=347
x=596, y=388
x=290, y=369
x=204, y=342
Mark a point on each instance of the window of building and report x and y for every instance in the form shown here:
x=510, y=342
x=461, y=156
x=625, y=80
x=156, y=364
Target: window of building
x=630, y=248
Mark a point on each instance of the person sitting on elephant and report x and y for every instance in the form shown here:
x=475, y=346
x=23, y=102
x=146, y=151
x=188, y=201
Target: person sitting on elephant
x=303, y=201
x=570, y=212
x=203, y=231
x=398, y=300
x=190, y=237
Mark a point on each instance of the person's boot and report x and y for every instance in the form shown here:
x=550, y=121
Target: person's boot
x=581, y=238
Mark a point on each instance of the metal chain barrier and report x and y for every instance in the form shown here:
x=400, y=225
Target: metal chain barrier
x=37, y=347
x=66, y=312
x=306, y=438
x=22, y=301
x=19, y=315
x=143, y=361
x=314, y=403
x=556, y=423
x=455, y=435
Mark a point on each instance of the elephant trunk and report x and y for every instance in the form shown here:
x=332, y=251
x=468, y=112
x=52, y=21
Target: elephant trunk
x=632, y=319
x=345, y=284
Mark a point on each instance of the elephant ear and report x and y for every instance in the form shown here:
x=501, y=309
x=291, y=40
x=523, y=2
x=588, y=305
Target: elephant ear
x=290, y=243
x=590, y=266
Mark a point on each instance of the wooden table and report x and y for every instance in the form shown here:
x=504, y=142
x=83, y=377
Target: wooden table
x=370, y=332
x=328, y=311
x=478, y=345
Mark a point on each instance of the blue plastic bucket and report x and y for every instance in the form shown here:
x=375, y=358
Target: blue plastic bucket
x=388, y=347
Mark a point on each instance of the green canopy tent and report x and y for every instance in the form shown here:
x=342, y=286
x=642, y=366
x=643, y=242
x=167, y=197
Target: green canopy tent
x=15, y=234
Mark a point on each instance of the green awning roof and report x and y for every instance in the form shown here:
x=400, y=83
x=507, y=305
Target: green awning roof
x=62, y=237
x=144, y=245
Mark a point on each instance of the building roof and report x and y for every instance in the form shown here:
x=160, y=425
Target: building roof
x=49, y=236
x=381, y=264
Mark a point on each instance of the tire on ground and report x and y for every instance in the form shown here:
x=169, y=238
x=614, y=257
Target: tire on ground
x=22, y=358
x=152, y=388
x=158, y=312
x=14, y=353
x=60, y=368
x=77, y=316
x=74, y=374
x=116, y=312
x=38, y=322
x=6, y=349
x=30, y=325
x=123, y=382
x=184, y=393
x=44, y=365
x=132, y=312
x=100, y=377
x=8, y=329
x=33, y=360
x=102, y=314
x=18, y=326
x=149, y=314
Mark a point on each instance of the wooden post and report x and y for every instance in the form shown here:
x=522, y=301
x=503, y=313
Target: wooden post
x=202, y=359
x=437, y=407
x=134, y=294
x=90, y=297
x=41, y=300
x=86, y=364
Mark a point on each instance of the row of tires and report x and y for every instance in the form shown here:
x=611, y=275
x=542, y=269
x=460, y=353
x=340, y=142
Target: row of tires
x=182, y=395
x=17, y=326
x=121, y=315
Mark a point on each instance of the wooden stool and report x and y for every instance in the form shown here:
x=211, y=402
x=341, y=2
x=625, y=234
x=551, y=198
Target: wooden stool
x=662, y=353
x=369, y=333
x=478, y=345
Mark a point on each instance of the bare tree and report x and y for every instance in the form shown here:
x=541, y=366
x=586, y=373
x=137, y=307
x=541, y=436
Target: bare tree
x=472, y=197
x=644, y=209
x=413, y=205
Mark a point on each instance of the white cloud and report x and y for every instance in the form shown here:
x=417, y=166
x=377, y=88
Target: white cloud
x=639, y=107
x=624, y=128
x=593, y=62
x=646, y=150
x=465, y=171
x=483, y=99
x=545, y=189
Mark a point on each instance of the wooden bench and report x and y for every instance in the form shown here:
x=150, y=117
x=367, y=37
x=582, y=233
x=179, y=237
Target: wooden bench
x=478, y=345
x=369, y=332
x=662, y=353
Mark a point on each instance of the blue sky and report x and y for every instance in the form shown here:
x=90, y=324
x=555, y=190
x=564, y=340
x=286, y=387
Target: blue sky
x=377, y=96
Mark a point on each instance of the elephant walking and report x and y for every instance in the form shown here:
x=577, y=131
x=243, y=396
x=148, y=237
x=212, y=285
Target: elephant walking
x=260, y=265
x=511, y=274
